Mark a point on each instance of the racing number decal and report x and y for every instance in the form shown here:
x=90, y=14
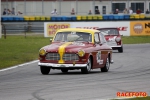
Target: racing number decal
x=98, y=57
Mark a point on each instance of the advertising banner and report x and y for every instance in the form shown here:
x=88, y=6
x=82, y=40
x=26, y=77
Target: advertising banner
x=124, y=27
x=139, y=28
x=50, y=28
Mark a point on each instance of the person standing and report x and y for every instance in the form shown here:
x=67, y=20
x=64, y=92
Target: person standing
x=4, y=12
x=90, y=13
x=54, y=12
x=147, y=12
x=130, y=11
x=13, y=11
x=72, y=12
x=125, y=11
x=138, y=11
x=116, y=11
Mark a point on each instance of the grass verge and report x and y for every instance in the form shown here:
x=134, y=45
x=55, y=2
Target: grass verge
x=16, y=49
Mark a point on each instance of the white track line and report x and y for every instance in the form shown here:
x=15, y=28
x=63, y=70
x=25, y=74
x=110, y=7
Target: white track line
x=18, y=65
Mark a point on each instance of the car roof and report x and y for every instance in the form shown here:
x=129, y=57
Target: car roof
x=79, y=30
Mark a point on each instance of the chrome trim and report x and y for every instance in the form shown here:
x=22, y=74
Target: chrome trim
x=61, y=65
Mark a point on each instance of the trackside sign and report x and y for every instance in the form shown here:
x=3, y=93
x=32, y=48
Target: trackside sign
x=50, y=28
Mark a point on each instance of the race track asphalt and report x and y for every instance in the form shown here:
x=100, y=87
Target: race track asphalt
x=129, y=73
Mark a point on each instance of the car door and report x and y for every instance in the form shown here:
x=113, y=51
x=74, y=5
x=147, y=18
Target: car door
x=98, y=56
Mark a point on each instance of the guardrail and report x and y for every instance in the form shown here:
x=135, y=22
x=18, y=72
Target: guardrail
x=26, y=27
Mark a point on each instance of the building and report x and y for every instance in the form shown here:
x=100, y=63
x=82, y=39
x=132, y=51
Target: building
x=81, y=7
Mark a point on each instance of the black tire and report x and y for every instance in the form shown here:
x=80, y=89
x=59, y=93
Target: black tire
x=120, y=49
x=64, y=70
x=45, y=70
x=87, y=69
x=107, y=65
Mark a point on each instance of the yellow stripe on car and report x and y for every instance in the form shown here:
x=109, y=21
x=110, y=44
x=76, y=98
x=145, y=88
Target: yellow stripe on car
x=61, y=51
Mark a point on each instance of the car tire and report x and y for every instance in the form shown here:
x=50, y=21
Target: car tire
x=87, y=69
x=120, y=49
x=107, y=65
x=64, y=70
x=45, y=70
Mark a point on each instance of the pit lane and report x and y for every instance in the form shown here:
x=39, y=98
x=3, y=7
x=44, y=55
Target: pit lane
x=129, y=73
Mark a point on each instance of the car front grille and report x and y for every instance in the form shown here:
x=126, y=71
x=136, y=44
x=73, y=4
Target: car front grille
x=70, y=57
x=52, y=56
x=66, y=56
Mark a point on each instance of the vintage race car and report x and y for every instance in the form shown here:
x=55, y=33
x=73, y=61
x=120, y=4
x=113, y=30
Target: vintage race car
x=113, y=38
x=75, y=48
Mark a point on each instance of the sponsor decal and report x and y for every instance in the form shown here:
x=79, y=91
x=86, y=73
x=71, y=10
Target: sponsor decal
x=124, y=28
x=140, y=28
x=131, y=94
x=52, y=28
x=61, y=51
x=98, y=57
x=112, y=39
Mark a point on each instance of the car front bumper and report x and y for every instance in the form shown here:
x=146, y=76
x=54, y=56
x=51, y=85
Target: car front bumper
x=53, y=65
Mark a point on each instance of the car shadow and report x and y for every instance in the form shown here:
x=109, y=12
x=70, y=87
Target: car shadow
x=74, y=73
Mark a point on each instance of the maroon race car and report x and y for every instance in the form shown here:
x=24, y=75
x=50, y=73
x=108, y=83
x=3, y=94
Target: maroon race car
x=113, y=38
x=75, y=48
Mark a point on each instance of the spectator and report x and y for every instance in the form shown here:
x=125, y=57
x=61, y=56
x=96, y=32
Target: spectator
x=4, y=12
x=54, y=12
x=130, y=11
x=19, y=13
x=97, y=11
x=8, y=12
x=90, y=13
x=72, y=12
x=116, y=11
x=125, y=11
x=147, y=12
x=138, y=11
x=13, y=11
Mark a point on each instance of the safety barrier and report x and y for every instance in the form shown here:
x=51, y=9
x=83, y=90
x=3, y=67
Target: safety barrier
x=110, y=17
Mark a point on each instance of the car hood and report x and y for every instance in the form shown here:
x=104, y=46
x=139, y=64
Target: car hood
x=67, y=46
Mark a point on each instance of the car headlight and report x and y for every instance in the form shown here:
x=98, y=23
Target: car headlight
x=42, y=52
x=81, y=53
x=118, y=39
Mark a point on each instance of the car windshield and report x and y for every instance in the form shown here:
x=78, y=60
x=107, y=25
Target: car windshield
x=109, y=31
x=73, y=36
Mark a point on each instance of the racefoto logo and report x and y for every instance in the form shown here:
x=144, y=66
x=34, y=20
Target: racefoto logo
x=138, y=28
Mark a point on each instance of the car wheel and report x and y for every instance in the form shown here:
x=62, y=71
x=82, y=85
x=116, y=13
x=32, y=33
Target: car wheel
x=64, y=70
x=120, y=49
x=87, y=69
x=107, y=65
x=45, y=70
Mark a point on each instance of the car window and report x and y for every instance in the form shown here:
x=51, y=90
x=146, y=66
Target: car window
x=73, y=36
x=96, y=38
x=109, y=31
x=102, y=38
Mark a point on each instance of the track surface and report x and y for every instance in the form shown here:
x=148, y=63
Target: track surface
x=130, y=72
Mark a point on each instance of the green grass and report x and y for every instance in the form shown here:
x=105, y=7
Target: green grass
x=16, y=50
x=135, y=39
